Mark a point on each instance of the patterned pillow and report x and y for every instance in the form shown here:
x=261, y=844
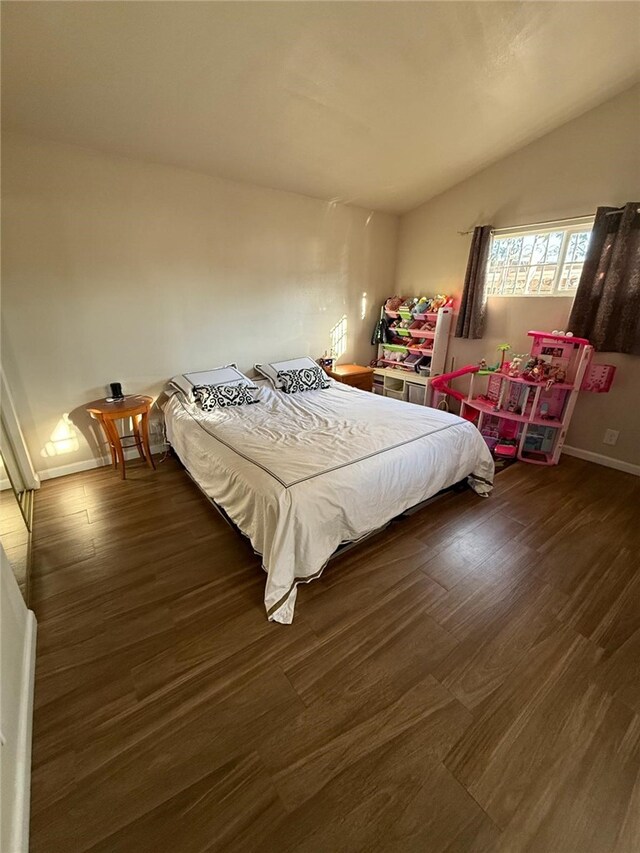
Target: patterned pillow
x=305, y=379
x=271, y=369
x=211, y=397
x=228, y=374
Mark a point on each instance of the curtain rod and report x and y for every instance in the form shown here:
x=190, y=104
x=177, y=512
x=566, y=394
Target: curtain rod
x=549, y=222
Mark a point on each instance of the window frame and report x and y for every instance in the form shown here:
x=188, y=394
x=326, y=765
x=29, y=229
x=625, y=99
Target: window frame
x=568, y=227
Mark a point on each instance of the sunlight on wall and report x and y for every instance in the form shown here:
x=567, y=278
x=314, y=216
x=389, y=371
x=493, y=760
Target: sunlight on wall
x=363, y=306
x=338, y=336
x=64, y=439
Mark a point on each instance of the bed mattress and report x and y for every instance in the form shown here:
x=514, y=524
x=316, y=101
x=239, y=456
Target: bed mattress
x=300, y=474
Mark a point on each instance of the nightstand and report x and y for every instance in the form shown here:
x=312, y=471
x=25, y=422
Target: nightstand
x=354, y=375
x=134, y=407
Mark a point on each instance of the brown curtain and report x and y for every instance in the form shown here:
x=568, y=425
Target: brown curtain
x=473, y=307
x=606, y=309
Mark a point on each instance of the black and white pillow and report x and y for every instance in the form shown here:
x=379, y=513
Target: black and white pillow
x=227, y=374
x=303, y=379
x=210, y=397
x=270, y=370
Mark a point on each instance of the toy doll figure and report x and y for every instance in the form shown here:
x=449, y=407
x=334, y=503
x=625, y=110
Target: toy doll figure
x=539, y=371
x=514, y=366
x=556, y=374
x=527, y=373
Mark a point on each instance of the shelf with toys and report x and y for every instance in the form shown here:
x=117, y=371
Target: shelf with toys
x=412, y=336
x=526, y=407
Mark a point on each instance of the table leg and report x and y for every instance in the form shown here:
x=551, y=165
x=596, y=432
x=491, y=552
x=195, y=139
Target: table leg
x=144, y=423
x=136, y=434
x=115, y=438
x=114, y=457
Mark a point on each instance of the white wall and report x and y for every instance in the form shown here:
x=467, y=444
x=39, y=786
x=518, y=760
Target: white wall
x=17, y=656
x=118, y=269
x=591, y=161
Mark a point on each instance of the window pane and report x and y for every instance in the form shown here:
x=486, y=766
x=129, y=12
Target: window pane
x=533, y=279
x=582, y=245
x=540, y=248
x=554, y=246
x=508, y=284
x=548, y=276
x=501, y=251
x=569, y=278
x=490, y=283
x=521, y=281
x=571, y=248
x=527, y=248
x=515, y=247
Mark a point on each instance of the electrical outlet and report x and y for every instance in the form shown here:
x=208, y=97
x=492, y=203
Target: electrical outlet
x=611, y=436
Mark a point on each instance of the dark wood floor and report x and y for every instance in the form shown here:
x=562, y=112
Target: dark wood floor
x=467, y=681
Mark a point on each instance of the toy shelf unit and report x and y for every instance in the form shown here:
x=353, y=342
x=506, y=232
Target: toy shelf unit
x=526, y=409
x=415, y=349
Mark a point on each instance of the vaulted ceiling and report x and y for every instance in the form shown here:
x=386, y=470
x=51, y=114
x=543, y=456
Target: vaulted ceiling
x=380, y=104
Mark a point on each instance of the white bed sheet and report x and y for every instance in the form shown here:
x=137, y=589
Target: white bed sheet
x=300, y=474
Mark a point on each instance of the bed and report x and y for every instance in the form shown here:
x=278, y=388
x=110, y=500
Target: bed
x=301, y=474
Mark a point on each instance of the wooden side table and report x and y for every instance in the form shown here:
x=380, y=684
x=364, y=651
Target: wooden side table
x=353, y=374
x=134, y=407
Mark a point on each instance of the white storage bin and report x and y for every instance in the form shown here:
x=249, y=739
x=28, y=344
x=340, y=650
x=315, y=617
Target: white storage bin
x=393, y=383
x=397, y=395
x=416, y=393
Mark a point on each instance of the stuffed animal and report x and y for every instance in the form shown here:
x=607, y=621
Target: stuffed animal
x=440, y=301
x=421, y=306
x=393, y=303
x=392, y=355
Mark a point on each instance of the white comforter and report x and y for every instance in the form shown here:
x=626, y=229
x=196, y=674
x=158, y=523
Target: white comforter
x=301, y=473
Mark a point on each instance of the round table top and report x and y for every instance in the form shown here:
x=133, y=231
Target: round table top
x=130, y=404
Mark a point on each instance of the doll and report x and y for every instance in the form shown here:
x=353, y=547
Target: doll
x=514, y=366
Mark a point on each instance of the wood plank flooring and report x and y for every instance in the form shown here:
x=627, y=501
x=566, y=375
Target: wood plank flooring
x=468, y=681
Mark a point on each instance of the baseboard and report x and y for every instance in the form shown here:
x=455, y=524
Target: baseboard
x=88, y=464
x=20, y=829
x=601, y=459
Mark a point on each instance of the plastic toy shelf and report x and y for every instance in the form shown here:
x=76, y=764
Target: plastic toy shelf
x=421, y=348
x=488, y=409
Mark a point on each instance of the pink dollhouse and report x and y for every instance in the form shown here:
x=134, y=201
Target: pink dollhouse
x=525, y=409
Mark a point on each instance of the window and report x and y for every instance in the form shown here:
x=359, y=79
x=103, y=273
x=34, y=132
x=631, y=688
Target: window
x=537, y=261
